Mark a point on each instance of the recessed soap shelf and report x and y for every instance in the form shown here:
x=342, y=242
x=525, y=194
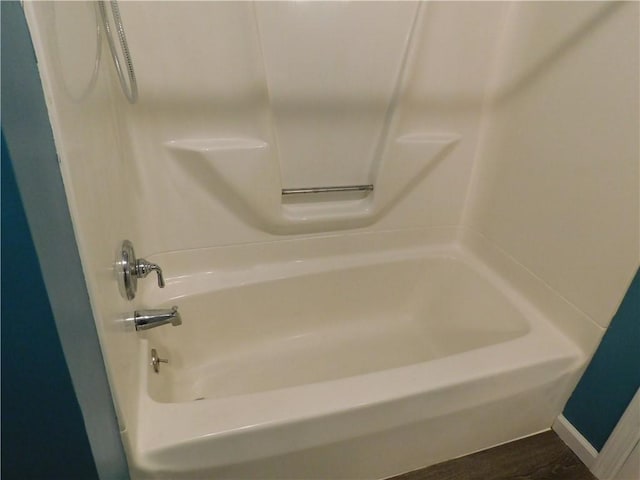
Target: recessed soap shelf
x=244, y=174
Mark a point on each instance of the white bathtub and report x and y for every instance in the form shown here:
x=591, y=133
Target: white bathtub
x=344, y=366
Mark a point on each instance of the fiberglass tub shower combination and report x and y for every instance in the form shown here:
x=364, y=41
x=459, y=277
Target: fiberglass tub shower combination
x=373, y=221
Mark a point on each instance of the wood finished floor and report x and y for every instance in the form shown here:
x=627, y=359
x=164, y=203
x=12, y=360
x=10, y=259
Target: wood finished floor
x=540, y=457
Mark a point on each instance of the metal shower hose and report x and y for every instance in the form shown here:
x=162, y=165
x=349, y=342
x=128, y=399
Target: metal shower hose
x=130, y=90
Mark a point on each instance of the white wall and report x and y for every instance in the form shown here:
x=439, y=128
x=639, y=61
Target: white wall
x=557, y=180
x=210, y=70
x=95, y=166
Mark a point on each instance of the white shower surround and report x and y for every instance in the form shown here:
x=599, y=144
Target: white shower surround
x=511, y=200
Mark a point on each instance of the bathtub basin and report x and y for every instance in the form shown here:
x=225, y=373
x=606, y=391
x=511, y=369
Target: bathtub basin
x=360, y=366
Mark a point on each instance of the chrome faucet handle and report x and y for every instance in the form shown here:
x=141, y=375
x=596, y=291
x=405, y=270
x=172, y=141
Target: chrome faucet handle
x=144, y=268
x=129, y=269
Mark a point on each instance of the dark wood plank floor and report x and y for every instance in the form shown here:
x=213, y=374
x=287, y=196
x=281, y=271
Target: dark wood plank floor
x=541, y=457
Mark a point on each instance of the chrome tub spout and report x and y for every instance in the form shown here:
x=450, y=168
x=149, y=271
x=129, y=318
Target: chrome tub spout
x=146, y=319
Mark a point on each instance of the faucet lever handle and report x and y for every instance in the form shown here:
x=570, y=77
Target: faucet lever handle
x=143, y=268
x=129, y=269
x=160, y=277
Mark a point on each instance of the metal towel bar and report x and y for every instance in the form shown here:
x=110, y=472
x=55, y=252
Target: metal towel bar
x=344, y=188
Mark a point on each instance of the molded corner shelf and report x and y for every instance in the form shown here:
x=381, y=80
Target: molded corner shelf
x=244, y=174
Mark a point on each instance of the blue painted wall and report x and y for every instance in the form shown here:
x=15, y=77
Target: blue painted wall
x=43, y=434
x=612, y=377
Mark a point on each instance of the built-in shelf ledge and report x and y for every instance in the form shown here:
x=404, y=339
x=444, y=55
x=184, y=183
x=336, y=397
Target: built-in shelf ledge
x=244, y=174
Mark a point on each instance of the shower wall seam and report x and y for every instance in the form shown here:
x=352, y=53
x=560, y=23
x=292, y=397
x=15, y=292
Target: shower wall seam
x=392, y=114
x=530, y=272
x=263, y=62
x=316, y=236
x=485, y=117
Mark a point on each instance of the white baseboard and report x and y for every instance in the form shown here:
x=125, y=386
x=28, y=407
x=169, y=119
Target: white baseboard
x=616, y=453
x=575, y=441
x=621, y=442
